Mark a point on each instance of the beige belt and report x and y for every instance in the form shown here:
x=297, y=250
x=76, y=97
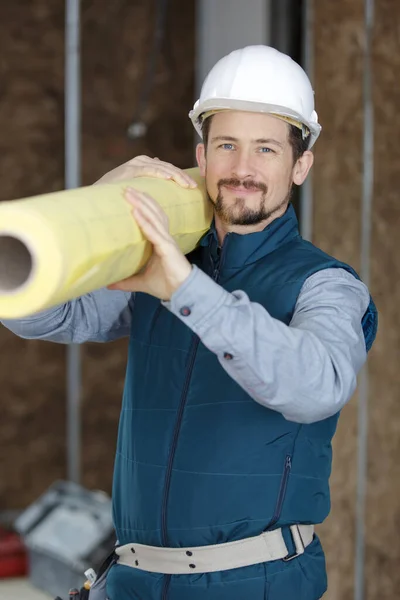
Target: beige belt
x=219, y=557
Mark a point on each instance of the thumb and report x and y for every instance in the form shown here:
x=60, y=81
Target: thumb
x=135, y=283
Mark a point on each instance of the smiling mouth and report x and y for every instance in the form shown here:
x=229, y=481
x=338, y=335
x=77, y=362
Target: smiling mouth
x=241, y=190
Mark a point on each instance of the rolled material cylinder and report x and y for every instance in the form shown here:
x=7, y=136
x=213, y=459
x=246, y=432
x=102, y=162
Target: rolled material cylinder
x=59, y=246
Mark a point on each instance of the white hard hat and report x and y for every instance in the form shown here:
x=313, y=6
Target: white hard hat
x=258, y=79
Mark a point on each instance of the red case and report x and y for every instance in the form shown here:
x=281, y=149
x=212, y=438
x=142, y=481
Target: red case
x=13, y=556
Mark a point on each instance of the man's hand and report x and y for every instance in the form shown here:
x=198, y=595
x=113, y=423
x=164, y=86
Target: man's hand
x=144, y=166
x=167, y=268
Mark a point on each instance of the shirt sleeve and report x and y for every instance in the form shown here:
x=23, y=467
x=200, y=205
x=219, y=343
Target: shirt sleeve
x=101, y=316
x=306, y=370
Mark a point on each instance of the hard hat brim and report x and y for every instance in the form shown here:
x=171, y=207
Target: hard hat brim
x=247, y=106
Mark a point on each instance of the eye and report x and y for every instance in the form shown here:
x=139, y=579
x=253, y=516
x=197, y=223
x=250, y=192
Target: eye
x=265, y=150
x=226, y=146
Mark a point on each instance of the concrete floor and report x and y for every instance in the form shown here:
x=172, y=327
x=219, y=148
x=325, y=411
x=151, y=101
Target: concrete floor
x=20, y=589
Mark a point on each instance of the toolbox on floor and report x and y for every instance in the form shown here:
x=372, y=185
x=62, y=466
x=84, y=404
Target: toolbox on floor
x=66, y=531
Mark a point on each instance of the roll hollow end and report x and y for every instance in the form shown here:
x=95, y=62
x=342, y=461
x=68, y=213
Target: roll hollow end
x=16, y=264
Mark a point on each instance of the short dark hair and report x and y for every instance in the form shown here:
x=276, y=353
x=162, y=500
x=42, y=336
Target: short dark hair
x=205, y=130
x=299, y=145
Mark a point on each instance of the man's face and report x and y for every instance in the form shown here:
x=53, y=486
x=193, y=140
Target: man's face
x=248, y=166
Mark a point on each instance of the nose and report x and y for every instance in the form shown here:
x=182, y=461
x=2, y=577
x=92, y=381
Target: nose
x=242, y=167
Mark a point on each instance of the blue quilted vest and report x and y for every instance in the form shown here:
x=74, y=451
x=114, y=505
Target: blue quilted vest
x=198, y=461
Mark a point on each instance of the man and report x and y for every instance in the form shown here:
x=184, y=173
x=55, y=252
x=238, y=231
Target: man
x=241, y=357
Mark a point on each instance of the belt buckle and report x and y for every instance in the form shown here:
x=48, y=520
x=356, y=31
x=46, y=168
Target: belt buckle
x=298, y=543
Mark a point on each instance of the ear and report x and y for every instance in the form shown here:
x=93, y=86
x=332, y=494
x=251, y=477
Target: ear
x=302, y=167
x=201, y=159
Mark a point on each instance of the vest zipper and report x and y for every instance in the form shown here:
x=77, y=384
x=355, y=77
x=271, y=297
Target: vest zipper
x=164, y=529
x=282, y=492
x=156, y=314
x=164, y=532
x=222, y=253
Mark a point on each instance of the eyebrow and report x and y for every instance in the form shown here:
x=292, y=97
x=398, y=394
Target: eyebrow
x=228, y=138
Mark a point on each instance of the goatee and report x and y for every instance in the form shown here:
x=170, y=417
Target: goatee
x=238, y=213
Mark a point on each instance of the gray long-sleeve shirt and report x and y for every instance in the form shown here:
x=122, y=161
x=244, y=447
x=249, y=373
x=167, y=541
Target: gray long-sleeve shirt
x=306, y=370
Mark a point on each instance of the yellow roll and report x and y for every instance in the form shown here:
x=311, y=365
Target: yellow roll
x=56, y=247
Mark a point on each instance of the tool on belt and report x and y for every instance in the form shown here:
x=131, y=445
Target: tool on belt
x=83, y=593
x=75, y=594
x=94, y=586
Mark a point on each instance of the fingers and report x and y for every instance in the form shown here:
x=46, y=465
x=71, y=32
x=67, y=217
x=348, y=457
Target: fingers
x=144, y=166
x=140, y=199
x=154, y=167
x=151, y=227
x=150, y=217
x=184, y=180
x=177, y=174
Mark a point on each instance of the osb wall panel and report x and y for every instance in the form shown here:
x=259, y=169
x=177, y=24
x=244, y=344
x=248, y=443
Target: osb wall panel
x=337, y=189
x=116, y=41
x=339, y=31
x=32, y=402
x=383, y=507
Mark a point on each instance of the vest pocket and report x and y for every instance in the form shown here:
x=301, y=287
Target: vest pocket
x=282, y=492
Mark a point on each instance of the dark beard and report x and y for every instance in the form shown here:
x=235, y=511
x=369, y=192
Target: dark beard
x=246, y=216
